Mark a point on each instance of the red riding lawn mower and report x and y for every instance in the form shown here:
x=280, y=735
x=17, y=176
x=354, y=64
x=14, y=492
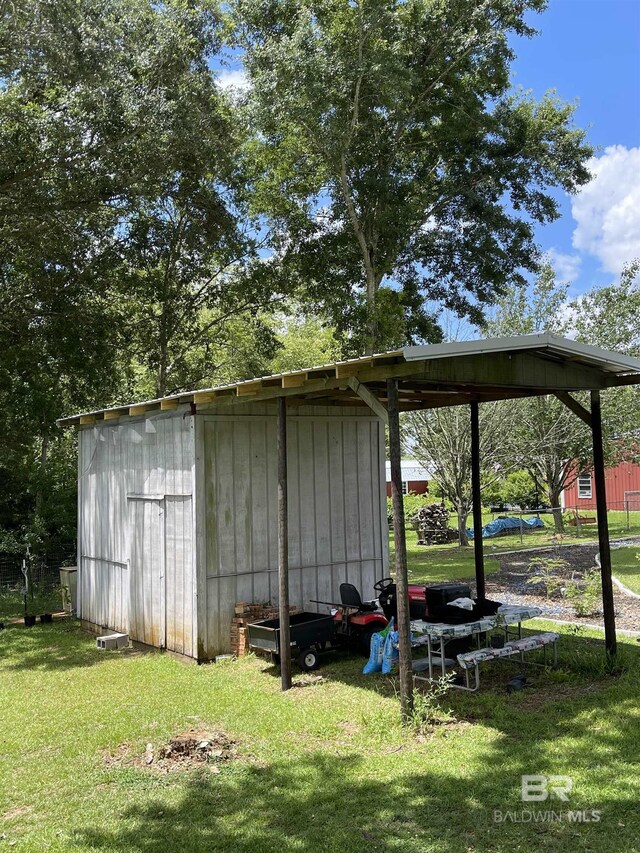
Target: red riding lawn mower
x=357, y=620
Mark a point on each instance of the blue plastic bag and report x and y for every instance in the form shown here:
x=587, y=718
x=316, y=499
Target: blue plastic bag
x=374, y=664
x=390, y=652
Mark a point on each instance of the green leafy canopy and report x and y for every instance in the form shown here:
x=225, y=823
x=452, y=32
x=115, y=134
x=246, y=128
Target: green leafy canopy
x=392, y=152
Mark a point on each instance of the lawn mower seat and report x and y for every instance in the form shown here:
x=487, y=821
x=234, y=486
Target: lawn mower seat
x=350, y=597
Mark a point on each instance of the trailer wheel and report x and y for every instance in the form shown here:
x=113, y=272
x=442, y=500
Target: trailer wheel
x=308, y=660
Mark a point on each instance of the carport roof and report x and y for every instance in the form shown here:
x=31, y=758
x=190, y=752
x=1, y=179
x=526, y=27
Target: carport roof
x=430, y=376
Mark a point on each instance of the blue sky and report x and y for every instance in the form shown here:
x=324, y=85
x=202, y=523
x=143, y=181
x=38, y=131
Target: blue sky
x=589, y=51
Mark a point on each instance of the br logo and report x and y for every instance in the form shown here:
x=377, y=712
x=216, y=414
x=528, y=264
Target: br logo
x=536, y=789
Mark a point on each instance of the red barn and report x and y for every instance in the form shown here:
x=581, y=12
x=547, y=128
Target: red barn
x=415, y=478
x=622, y=488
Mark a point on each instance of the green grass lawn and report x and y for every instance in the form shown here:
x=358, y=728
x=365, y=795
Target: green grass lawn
x=626, y=567
x=447, y=563
x=325, y=767
x=432, y=564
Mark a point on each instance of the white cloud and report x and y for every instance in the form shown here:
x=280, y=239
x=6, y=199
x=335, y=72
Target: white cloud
x=607, y=209
x=565, y=266
x=235, y=79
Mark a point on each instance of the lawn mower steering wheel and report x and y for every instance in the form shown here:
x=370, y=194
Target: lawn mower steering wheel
x=383, y=584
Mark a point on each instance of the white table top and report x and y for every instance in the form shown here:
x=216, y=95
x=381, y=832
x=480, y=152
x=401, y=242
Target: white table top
x=508, y=614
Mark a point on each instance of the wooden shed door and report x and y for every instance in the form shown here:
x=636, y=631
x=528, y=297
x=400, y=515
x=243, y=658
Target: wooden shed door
x=146, y=561
x=161, y=572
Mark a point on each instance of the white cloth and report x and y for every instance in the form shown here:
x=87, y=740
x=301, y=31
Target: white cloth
x=464, y=603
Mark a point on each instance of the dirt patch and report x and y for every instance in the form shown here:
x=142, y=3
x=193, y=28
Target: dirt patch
x=195, y=748
x=308, y=679
x=440, y=728
x=17, y=811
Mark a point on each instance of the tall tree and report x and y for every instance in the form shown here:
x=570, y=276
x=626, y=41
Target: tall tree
x=190, y=275
x=440, y=439
x=609, y=317
x=546, y=438
x=304, y=341
x=106, y=107
x=393, y=158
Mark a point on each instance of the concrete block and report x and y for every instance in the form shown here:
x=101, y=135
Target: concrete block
x=112, y=641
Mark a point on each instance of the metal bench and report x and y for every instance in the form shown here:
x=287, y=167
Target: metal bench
x=472, y=660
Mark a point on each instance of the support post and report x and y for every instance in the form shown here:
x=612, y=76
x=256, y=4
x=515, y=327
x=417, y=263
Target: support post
x=400, y=549
x=476, y=497
x=603, y=527
x=283, y=547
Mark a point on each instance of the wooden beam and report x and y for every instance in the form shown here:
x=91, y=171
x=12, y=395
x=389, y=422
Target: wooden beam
x=274, y=393
x=295, y=380
x=603, y=528
x=283, y=548
x=168, y=405
x=85, y=420
x=370, y=399
x=577, y=408
x=627, y=379
x=478, y=545
x=247, y=389
x=112, y=415
x=400, y=550
x=204, y=396
x=137, y=410
x=351, y=369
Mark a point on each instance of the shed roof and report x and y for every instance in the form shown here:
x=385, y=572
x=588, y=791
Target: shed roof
x=411, y=470
x=431, y=376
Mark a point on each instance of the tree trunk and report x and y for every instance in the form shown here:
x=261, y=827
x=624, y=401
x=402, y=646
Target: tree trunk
x=372, y=320
x=463, y=514
x=558, y=521
x=44, y=454
x=368, y=260
x=161, y=377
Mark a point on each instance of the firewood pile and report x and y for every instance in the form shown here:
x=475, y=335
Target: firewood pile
x=433, y=525
x=245, y=614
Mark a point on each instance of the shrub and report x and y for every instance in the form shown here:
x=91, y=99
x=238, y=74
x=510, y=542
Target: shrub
x=586, y=595
x=547, y=569
x=427, y=710
x=412, y=504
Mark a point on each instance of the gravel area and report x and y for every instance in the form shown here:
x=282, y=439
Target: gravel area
x=512, y=584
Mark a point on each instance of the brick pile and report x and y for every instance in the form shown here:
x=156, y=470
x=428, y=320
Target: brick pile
x=246, y=613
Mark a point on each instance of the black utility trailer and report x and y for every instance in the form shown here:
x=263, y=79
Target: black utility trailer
x=310, y=634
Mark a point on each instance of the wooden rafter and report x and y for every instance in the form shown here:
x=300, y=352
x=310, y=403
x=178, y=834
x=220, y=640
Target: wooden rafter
x=577, y=408
x=370, y=399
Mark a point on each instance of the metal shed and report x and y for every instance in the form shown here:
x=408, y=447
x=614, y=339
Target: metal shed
x=274, y=488
x=177, y=515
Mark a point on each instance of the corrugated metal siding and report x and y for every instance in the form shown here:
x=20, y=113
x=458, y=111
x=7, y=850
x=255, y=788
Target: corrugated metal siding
x=619, y=481
x=179, y=574
x=337, y=511
x=135, y=528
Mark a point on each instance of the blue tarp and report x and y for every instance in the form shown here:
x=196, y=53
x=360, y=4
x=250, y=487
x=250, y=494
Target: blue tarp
x=499, y=524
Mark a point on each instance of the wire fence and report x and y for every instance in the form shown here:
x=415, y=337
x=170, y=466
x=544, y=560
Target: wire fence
x=42, y=569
